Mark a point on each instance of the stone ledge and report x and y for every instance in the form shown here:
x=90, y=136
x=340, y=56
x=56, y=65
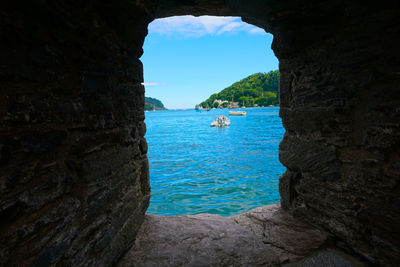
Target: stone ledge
x=265, y=236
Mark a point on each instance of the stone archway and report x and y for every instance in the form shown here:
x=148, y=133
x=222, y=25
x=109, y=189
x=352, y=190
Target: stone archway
x=73, y=166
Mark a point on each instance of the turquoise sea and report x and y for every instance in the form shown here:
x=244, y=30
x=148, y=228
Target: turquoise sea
x=195, y=168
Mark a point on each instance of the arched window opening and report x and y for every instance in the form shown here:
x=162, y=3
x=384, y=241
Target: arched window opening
x=195, y=168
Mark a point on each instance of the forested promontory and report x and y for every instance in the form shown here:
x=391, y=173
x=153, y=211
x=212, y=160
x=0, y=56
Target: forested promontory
x=153, y=104
x=259, y=89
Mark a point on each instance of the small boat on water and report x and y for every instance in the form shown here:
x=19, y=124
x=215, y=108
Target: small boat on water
x=221, y=121
x=237, y=113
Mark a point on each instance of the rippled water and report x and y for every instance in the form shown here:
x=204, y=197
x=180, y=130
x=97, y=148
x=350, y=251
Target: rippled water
x=195, y=168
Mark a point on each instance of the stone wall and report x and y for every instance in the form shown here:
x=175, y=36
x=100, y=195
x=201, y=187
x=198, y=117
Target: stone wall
x=73, y=168
x=340, y=106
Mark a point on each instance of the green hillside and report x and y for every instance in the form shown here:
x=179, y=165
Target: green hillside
x=260, y=89
x=153, y=104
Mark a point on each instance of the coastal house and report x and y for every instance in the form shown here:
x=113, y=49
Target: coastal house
x=234, y=105
x=220, y=102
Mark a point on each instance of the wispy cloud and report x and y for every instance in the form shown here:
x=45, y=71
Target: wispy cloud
x=256, y=30
x=190, y=26
x=154, y=83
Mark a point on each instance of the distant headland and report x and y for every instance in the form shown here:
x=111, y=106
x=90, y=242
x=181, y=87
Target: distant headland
x=257, y=90
x=153, y=104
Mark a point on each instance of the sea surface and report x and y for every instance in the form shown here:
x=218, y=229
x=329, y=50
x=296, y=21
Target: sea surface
x=195, y=168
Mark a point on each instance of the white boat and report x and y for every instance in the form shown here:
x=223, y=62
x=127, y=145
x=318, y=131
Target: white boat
x=237, y=113
x=221, y=121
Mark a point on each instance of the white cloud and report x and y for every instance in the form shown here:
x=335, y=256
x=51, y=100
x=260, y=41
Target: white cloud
x=256, y=30
x=154, y=83
x=231, y=27
x=190, y=26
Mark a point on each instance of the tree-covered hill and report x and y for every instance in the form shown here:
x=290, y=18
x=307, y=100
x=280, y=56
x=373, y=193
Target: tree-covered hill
x=261, y=89
x=153, y=104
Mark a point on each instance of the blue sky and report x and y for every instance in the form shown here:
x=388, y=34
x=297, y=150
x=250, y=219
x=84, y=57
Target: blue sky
x=186, y=58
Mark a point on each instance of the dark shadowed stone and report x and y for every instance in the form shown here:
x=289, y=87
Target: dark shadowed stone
x=95, y=86
x=70, y=168
x=143, y=145
x=329, y=257
x=285, y=188
x=32, y=142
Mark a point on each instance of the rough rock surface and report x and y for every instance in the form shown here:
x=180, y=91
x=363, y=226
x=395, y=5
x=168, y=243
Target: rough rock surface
x=73, y=168
x=329, y=257
x=196, y=240
x=290, y=238
x=74, y=182
x=266, y=236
